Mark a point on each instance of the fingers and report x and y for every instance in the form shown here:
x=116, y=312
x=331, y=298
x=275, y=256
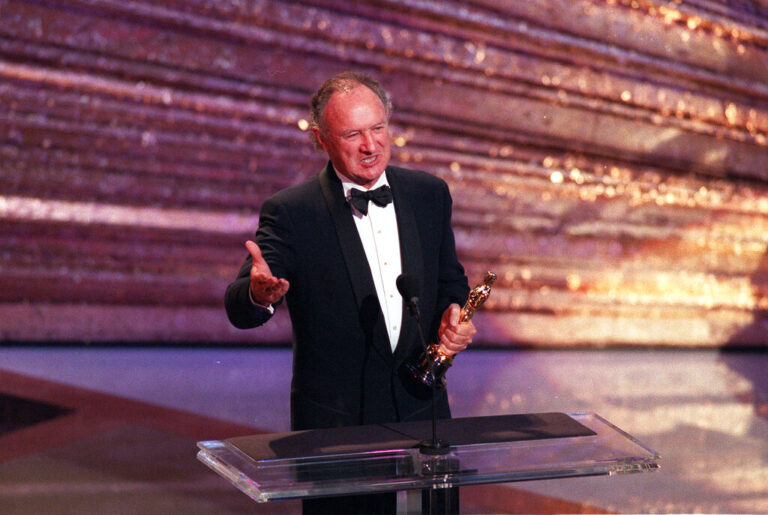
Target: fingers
x=273, y=291
x=456, y=339
x=454, y=336
x=266, y=289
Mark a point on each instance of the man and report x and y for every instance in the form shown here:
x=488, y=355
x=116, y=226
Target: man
x=334, y=256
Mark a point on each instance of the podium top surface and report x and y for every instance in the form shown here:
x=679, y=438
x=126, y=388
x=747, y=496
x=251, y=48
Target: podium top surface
x=404, y=435
x=386, y=457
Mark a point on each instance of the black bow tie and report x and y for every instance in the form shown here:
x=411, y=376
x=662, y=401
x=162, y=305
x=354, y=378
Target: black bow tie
x=381, y=196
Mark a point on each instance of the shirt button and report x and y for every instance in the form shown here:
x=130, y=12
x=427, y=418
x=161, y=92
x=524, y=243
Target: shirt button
x=394, y=328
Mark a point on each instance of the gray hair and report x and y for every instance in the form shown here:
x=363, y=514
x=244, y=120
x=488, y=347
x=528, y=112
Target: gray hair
x=345, y=81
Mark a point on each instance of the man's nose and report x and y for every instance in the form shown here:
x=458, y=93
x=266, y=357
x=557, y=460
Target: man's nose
x=368, y=144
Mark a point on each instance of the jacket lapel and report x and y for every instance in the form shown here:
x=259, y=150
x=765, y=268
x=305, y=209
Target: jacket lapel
x=371, y=318
x=410, y=256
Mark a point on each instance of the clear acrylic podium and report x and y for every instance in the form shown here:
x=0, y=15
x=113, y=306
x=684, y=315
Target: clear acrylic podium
x=386, y=458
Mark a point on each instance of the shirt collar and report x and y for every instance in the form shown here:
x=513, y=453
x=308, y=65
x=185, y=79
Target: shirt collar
x=348, y=185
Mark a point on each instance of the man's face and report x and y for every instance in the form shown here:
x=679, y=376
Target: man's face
x=355, y=135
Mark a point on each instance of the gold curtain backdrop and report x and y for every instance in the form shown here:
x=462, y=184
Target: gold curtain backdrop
x=607, y=158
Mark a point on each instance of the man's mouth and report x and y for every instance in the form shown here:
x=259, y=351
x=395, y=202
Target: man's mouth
x=369, y=160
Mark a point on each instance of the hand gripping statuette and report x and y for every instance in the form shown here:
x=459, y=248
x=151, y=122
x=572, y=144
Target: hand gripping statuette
x=433, y=363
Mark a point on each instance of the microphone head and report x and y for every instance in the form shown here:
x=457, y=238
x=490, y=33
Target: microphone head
x=408, y=285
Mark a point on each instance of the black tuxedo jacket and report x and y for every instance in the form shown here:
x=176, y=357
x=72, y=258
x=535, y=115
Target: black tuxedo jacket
x=344, y=371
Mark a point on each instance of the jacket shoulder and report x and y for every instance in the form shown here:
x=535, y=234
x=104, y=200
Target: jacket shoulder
x=418, y=183
x=298, y=194
x=416, y=177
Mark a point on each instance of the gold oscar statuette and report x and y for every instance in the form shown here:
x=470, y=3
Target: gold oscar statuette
x=433, y=363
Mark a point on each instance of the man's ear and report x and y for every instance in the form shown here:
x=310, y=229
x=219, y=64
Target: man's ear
x=318, y=135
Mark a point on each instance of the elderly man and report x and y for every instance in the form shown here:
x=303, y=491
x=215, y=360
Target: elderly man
x=333, y=247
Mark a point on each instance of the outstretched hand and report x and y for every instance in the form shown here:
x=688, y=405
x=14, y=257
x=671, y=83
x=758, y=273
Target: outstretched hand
x=454, y=336
x=266, y=289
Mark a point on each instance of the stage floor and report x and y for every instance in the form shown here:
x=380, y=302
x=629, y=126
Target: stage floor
x=113, y=430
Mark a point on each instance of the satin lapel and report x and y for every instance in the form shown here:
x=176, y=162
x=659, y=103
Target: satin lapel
x=410, y=255
x=364, y=290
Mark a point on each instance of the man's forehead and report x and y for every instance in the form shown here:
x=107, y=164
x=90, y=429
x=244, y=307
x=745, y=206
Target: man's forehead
x=355, y=92
x=349, y=105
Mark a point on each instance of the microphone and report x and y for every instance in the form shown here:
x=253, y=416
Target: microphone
x=409, y=287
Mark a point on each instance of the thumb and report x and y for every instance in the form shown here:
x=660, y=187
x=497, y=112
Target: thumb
x=253, y=250
x=259, y=263
x=453, y=314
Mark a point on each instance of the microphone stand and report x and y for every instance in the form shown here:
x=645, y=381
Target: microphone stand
x=435, y=501
x=436, y=447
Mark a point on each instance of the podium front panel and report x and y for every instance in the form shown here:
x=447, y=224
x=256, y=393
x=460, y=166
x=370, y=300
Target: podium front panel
x=371, y=459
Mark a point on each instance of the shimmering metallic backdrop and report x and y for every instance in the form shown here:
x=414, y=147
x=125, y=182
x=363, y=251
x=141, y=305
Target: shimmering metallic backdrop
x=607, y=158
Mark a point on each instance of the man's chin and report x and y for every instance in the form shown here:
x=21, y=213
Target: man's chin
x=366, y=176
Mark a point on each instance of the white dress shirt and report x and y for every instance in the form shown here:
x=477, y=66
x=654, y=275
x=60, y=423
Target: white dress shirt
x=381, y=242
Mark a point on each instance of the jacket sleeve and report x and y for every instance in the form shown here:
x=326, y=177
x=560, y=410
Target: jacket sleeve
x=273, y=237
x=452, y=281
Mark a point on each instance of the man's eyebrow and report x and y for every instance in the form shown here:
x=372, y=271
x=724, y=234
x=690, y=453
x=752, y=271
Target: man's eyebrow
x=377, y=124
